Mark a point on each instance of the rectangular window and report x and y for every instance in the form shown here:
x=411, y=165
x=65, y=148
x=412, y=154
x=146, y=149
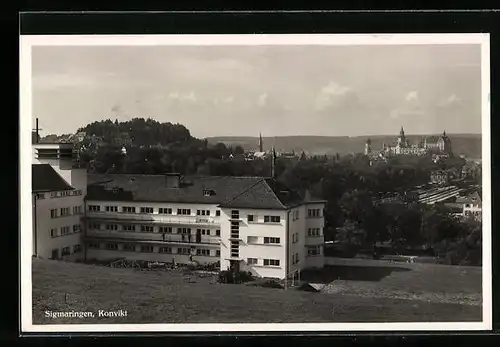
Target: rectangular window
x=65, y=251
x=128, y=209
x=204, y=252
x=163, y=210
x=271, y=219
x=184, y=251
x=313, y=213
x=112, y=246
x=128, y=227
x=77, y=209
x=183, y=230
x=129, y=247
x=217, y=213
x=252, y=239
x=313, y=251
x=111, y=208
x=166, y=230
x=252, y=261
x=111, y=227
x=53, y=232
x=77, y=249
x=94, y=246
x=147, y=249
x=95, y=226
x=76, y=228
x=146, y=210
x=65, y=211
x=166, y=250
x=203, y=212
x=313, y=232
x=64, y=230
x=94, y=208
x=147, y=228
x=217, y=232
x=53, y=213
x=217, y=253
x=184, y=211
x=271, y=262
x=273, y=240
x=251, y=218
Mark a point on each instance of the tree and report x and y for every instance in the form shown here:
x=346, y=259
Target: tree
x=238, y=150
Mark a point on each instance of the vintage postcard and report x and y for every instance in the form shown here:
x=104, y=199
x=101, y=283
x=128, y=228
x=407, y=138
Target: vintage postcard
x=255, y=183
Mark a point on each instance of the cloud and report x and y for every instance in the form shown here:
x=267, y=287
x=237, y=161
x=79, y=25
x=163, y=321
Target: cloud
x=334, y=95
x=412, y=96
x=452, y=100
x=262, y=100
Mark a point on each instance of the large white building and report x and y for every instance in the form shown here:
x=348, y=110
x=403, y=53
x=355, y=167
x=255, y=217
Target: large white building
x=58, y=192
x=246, y=223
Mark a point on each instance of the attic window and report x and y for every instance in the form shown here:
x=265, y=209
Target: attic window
x=208, y=192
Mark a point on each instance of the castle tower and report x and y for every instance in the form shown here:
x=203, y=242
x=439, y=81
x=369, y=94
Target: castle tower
x=261, y=144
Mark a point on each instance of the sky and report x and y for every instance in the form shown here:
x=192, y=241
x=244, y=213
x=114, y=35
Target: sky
x=273, y=90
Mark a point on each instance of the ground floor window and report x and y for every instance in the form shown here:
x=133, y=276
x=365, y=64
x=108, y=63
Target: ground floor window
x=147, y=249
x=271, y=262
x=185, y=251
x=65, y=251
x=129, y=247
x=166, y=250
x=77, y=249
x=205, y=252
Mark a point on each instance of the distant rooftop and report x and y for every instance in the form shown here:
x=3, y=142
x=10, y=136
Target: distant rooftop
x=45, y=179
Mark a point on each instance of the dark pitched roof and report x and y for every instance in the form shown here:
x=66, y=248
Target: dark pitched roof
x=256, y=192
x=45, y=179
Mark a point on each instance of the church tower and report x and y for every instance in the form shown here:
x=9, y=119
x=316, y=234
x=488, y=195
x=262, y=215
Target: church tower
x=261, y=144
x=368, y=147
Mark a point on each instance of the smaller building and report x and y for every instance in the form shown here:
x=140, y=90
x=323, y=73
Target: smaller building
x=441, y=177
x=472, y=206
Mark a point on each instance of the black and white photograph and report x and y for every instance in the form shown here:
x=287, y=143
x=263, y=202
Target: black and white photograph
x=255, y=182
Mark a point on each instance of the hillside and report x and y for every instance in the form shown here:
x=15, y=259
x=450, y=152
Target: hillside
x=467, y=144
x=420, y=292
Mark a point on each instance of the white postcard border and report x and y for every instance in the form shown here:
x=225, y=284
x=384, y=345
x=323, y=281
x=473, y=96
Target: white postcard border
x=26, y=238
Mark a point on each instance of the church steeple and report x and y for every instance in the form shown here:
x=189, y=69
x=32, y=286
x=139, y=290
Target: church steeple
x=261, y=144
x=402, y=132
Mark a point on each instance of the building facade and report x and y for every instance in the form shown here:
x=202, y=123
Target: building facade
x=244, y=223
x=58, y=192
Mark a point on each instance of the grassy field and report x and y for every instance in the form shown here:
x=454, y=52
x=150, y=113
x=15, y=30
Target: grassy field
x=429, y=293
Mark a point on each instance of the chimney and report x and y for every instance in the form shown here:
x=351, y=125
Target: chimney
x=172, y=180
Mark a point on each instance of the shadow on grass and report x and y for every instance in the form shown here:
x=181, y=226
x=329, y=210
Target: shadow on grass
x=352, y=273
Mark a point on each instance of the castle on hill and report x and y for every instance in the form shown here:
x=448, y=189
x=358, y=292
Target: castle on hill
x=436, y=144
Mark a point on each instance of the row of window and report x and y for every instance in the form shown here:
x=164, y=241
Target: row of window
x=150, y=210
x=65, y=230
x=65, y=211
x=129, y=247
x=267, y=219
x=59, y=194
x=152, y=229
x=311, y=213
x=265, y=262
x=267, y=240
x=66, y=251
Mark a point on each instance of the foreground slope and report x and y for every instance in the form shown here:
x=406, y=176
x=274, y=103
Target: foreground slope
x=169, y=297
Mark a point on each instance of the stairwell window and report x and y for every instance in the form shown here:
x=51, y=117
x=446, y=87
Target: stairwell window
x=271, y=262
x=271, y=240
